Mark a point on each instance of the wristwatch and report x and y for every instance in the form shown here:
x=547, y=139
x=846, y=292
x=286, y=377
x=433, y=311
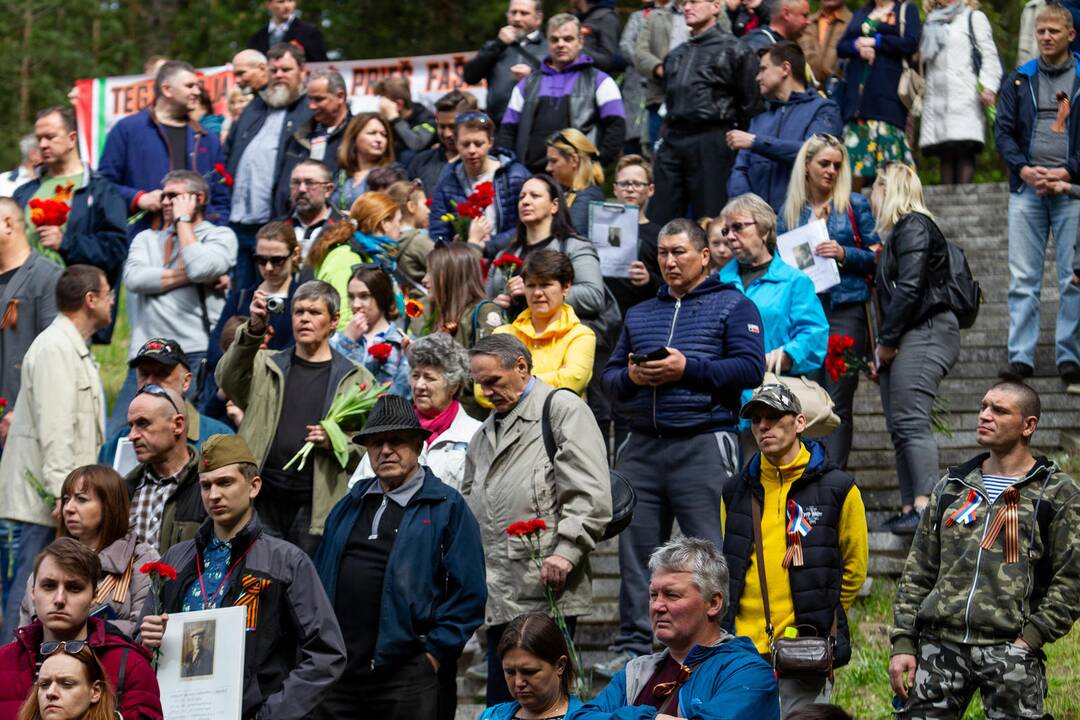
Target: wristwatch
x=183, y=218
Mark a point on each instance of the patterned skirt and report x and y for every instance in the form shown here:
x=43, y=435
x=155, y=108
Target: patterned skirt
x=873, y=144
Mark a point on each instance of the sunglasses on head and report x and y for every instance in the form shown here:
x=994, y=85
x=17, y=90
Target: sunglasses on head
x=275, y=260
x=478, y=117
x=159, y=392
x=71, y=647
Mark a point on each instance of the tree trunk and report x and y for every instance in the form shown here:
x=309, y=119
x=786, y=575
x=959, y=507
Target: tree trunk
x=24, y=63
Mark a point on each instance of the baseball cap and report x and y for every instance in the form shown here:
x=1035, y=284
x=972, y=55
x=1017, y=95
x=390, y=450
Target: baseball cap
x=775, y=395
x=162, y=350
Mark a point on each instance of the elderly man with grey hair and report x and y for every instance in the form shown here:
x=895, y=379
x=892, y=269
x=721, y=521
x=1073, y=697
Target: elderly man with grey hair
x=250, y=70
x=30, y=158
x=284, y=395
x=703, y=670
x=438, y=373
x=510, y=476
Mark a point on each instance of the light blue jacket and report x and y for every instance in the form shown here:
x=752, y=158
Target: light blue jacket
x=507, y=710
x=730, y=682
x=396, y=368
x=790, y=312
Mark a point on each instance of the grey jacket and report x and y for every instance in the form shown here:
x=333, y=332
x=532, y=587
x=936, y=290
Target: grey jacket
x=127, y=601
x=508, y=478
x=28, y=306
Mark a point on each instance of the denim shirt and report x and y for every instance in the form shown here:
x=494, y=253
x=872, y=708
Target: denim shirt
x=859, y=262
x=394, y=370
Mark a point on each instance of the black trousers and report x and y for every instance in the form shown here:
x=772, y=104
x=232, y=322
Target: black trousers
x=843, y=320
x=287, y=516
x=407, y=692
x=691, y=173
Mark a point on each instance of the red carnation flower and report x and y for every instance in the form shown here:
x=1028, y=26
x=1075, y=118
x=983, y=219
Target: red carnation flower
x=508, y=260
x=381, y=351
x=160, y=569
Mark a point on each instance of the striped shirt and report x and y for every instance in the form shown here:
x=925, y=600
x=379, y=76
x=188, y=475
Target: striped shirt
x=996, y=484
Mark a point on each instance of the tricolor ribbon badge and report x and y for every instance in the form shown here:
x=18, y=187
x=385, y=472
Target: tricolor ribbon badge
x=798, y=527
x=252, y=586
x=966, y=514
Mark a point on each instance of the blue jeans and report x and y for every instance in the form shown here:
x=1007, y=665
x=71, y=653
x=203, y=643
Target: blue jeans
x=1031, y=220
x=130, y=388
x=33, y=538
x=245, y=272
x=9, y=545
x=675, y=479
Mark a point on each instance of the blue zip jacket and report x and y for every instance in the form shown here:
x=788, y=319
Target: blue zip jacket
x=453, y=188
x=859, y=263
x=1017, y=114
x=790, y=311
x=136, y=158
x=434, y=587
x=878, y=99
x=395, y=370
x=779, y=134
x=507, y=710
x=730, y=681
x=719, y=331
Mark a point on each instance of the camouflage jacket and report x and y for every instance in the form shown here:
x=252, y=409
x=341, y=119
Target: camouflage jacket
x=954, y=589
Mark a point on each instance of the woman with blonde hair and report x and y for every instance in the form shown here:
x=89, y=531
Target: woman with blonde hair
x=963, y=74
x=371, y=237
x=368, y=143
x=918, y=338
x=820, y=189
x=574, y=162
x=71, y=685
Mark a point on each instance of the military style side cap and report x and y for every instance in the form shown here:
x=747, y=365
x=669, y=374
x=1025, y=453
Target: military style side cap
x=221, y=450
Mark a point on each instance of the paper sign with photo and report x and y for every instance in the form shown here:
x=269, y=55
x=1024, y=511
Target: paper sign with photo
x=796, y=248
x=613, y=230
x=201, y=665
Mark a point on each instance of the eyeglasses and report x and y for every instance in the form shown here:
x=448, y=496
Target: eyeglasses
x=631, y=184
x=71, y=647
x=173, y=195
x=301, y=182
x=159, y=392
x=275, y=260
x=735, y=228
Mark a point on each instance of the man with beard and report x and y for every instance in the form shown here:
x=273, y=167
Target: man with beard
x=254, y=152
x=142, y=148
x=310, y=186
x=319, y=137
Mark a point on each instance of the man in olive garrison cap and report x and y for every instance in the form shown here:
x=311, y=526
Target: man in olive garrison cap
x=294, y=650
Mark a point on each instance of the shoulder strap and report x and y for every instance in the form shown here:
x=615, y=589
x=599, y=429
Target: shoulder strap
x=120, y=677
x=476, y=320
x=545, y=424
x=755, y=513
x=854, y=226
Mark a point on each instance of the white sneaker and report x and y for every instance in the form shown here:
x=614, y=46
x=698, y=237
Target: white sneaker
x=608, y=668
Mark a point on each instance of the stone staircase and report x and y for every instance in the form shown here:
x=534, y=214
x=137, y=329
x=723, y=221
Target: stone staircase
x=975, y=216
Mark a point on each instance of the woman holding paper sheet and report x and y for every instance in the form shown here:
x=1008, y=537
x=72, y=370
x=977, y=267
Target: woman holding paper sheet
x=918, y=339
x=795, y=328
x=820, y=189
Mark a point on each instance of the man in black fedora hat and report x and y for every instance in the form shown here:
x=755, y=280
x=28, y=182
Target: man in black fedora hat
x=389, y=532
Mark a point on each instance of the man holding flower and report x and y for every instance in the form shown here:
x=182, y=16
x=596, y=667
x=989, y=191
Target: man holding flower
x=284, y=395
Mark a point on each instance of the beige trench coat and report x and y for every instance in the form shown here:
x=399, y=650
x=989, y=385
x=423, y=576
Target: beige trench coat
x=508, y=478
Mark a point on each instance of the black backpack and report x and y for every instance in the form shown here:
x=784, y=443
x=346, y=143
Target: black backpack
x=965, y=295
x=623, y=497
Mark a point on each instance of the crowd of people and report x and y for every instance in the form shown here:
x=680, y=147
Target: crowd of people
x=388, y=389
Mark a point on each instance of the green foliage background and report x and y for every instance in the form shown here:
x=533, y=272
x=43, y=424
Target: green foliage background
x=46, y=44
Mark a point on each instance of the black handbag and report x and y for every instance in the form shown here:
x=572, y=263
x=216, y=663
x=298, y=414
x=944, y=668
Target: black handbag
x=623, y=497
x=791, y=656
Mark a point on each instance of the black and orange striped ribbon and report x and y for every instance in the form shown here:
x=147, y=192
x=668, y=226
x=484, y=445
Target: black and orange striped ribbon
x=11, y=315
x=117, y=586
x=249, y=598
x=794, y=554
x=1009, y=519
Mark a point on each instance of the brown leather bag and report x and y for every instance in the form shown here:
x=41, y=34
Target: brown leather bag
x=791, y=656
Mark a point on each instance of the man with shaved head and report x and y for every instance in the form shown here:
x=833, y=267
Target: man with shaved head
x=993, y=573
x=249, y=69
x=166, y=507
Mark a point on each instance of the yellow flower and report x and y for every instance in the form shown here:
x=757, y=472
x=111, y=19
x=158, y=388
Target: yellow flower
x=447, y=217
x=858, y=166
x=880, y=157
x=871, y=147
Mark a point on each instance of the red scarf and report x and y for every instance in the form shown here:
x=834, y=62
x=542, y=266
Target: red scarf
x=439, y=423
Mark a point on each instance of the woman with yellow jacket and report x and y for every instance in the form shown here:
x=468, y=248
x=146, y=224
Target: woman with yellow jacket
x=562, y=346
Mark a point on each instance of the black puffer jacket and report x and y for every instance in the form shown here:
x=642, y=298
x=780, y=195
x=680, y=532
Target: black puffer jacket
x=911, y=276
x=711, y=82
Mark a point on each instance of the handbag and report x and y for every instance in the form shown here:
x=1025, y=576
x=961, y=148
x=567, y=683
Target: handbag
x=623, y=497
x=911, y=86
x=790, y=656
x=817, y=404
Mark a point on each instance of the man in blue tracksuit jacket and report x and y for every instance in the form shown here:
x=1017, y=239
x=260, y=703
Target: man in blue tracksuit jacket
x=767, y=151
x=1039, y=152
x=683, y=412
